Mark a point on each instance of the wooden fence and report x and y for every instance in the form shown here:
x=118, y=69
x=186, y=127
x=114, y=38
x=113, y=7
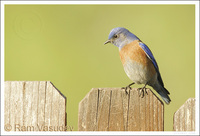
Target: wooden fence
x=184, y=117
x=39, y=106
x=33, y=106
x=111, y=109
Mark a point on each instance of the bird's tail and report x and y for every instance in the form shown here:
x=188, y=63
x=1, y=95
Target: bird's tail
x=163, y=92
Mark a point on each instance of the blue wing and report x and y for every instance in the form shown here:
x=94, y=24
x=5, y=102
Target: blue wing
x=151, y=57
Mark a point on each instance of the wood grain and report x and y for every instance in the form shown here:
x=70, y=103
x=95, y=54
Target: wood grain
x=33, y=106
x=184, y=117
x=111, y=109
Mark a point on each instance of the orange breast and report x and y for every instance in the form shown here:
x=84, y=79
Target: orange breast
x=136, y=54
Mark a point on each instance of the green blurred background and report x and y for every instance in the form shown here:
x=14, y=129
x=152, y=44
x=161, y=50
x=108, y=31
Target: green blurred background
x=64, y=44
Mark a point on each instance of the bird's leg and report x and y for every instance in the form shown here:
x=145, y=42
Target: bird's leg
x=142, y=90
x=128, y=87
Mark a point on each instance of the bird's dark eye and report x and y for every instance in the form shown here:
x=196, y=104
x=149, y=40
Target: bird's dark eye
x=115, y=36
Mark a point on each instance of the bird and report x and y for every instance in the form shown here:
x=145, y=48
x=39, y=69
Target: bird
x=138, y=62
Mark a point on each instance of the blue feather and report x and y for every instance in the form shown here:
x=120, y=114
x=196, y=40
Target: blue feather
x=151, y=57
x=149, y=54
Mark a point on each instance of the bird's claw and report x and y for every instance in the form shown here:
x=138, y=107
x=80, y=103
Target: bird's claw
x=126, y=89
x=142, y=91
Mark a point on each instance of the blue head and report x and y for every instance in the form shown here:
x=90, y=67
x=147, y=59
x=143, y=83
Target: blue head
x=120, y=36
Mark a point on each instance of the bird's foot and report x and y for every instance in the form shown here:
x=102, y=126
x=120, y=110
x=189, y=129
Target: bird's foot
x=128, y=88
x=142, y=91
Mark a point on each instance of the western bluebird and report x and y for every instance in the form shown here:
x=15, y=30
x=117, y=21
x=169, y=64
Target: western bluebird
x=138, y=61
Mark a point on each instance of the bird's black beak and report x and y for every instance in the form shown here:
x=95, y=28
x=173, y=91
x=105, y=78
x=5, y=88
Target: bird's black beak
x=108, y=41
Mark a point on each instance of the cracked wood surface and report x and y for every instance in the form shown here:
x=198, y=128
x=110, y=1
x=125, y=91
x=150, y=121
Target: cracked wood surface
x=184, y=117
x=111, y=109
x=33, y=104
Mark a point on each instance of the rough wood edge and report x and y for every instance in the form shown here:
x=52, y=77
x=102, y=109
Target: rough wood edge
x=182, y=106
x=161, y=105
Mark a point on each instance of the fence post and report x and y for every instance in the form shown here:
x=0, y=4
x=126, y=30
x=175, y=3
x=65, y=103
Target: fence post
x=33, y=106
x=111, y=109
x=184, y=117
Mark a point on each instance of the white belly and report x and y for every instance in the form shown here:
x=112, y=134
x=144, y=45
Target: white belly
x=137, y=73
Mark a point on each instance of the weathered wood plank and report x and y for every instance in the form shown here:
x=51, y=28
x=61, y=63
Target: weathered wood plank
x=151, y=109
x=34, y=113
x=91, y=116
x=7, y=91
x=184, y=117
x=48, y=104
x=41, y=103
x=62, y=115
x=27, y=101
x=160, y=117
x=28, y=104
x=134, y=111
x=116, y=119
x=115, y=110
x=193, y=114
x=12, y=104
x=87, y=115
x=125, y=103
x=142, y=113
x=55, y=106
x=147, y=111
x=155, y=114
x=19, y=103
x=82, y=114
x=103, y=110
